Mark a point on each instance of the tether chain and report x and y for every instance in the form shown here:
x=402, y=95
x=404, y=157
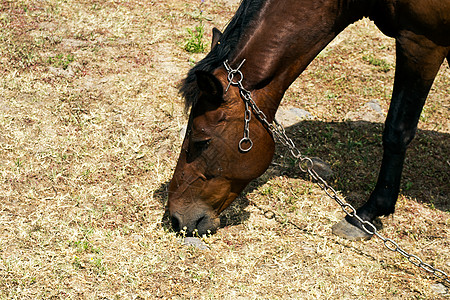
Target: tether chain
x=306, y=165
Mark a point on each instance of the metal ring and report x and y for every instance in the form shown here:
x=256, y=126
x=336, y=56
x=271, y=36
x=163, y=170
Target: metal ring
x=308, y=164
x=231, y=77
x=245, y=140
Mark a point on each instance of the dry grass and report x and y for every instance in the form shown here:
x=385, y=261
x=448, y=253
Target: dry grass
x=90, y=121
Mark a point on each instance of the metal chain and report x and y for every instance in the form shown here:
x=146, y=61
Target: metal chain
x=306, y=165
x=245, y=144
x=246, y=139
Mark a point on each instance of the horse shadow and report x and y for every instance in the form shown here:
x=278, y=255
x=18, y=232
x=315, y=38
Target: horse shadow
x=353, y=149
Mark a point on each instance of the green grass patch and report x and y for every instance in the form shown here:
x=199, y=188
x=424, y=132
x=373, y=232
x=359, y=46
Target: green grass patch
x=194, y=44
x=377, y=62
x=61, y=60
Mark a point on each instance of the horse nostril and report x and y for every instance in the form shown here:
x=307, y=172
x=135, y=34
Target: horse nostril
x=199, y=221
x=175, y=223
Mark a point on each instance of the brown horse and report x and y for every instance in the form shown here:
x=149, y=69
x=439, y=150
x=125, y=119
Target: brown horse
x=277, y=40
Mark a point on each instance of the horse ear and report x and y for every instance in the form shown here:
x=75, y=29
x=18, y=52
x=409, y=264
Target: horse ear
x=216, y=35
x=209, y=84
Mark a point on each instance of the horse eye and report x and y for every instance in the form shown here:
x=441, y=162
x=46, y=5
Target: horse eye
x=201, y=145
x=196, y=148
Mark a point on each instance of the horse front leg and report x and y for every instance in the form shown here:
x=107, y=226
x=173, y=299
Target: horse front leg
x=418, y=61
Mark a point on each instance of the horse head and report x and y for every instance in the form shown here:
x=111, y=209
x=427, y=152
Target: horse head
x=214, y=165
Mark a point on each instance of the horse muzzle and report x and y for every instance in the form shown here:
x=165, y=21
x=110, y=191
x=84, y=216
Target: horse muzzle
x=195, y=221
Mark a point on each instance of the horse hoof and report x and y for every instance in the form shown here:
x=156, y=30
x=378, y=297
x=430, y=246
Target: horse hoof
x=349, y=231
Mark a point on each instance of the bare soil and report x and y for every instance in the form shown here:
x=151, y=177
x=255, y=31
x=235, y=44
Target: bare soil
x=90, y=122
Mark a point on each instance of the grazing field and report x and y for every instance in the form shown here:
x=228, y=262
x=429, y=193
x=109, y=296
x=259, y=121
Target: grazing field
x=90, y=129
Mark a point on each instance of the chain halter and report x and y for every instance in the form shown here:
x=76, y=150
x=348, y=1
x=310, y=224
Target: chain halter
x=306, y=164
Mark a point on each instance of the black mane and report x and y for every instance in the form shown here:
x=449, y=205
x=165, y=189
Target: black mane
x=227, y=43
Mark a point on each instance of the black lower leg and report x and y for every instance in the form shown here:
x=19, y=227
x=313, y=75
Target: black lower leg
x=384, y=197
x=413, y=80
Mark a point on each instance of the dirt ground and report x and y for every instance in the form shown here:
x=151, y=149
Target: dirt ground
x=90, y=122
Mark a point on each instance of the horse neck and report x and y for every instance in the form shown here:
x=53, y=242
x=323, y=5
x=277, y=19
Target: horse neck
x=284, y=38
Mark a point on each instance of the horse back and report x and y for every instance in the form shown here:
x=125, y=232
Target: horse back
x=430, y=18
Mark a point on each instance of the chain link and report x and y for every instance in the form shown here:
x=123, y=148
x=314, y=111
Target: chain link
x=245, y=144
x=306, y=164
